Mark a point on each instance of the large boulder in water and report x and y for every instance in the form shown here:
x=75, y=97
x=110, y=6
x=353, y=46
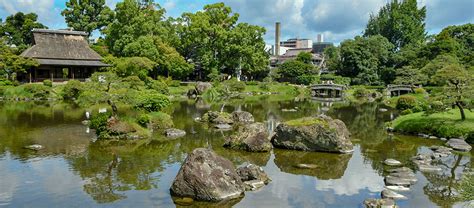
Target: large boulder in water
x=217, y=117
x=242, y=117
x=321, y=133
x=201, y=87
x=253, y=138
x=459, y=145
x=206, y=176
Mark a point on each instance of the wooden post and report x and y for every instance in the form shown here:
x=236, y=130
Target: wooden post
x=29, y=74
x=52, y=76
x=72, y=72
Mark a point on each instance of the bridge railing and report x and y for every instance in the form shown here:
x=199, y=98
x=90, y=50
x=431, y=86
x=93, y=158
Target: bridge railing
x=328, y=86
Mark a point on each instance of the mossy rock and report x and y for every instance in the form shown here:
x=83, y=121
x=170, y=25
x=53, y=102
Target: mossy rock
x=217, y=117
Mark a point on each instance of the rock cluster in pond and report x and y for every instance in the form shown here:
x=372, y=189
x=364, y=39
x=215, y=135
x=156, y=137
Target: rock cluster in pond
x=379, y=203
x=242, y=117
x=252, y=137
x=321, y=133
x=121, y=130
x=174, y=133
x=253, y=177
x=206, y=176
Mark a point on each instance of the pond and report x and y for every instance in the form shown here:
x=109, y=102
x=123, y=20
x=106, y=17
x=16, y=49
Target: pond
x=74, y=169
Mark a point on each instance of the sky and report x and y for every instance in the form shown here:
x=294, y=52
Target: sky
x=337, y=20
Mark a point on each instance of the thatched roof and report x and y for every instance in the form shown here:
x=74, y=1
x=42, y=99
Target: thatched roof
x=62, y=47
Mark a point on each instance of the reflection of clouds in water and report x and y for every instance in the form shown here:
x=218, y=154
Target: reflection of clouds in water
x=8, y=183
x=358, y=176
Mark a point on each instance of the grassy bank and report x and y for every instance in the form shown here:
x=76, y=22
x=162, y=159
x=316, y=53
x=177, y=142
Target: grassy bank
x=446, y=124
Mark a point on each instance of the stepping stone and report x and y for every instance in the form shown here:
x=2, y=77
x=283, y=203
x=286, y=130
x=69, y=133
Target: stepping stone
x=396, y=181
x=392, y=162
x=397, y=188
x=459, y=145
x=401, y=169
x=306, y=166
x=429, y=168
x=253, y=185
x=174, y=133
x=391, y=195
x=35, y=147
x=379, y=203
x=223, y=126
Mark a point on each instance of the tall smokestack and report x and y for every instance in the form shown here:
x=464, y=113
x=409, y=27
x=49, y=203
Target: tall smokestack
x=277, y=39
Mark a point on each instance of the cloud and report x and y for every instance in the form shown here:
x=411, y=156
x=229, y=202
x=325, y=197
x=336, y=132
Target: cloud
x=48, y=13
x=441, y=14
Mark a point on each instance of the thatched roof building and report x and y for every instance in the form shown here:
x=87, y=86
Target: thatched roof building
x=62, y=54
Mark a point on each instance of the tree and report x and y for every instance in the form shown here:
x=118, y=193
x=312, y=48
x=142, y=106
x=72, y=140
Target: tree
x=409, y=75
x=363, y=59
x=437, y=64
x=292, y=69
x=132, y=66
x=457, y=83
x=18, y=27
x=305, y=57
x=87, y=15
x=12, y=64
x=401, y=22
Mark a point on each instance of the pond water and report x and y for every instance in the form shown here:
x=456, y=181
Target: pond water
x=75, y=170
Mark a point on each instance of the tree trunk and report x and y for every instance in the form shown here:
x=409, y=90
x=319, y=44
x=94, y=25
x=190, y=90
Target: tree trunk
x=461, y=110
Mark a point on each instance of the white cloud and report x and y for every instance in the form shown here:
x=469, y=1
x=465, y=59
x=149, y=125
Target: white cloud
x=45, y=9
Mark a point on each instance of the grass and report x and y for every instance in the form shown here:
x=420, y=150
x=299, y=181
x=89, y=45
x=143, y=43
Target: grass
x=306, y=122
x=445, y=124
x=181, y=90
x=392, y=101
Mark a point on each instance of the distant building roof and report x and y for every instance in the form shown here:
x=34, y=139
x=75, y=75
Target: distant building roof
x=62, y=47
x=296, y=51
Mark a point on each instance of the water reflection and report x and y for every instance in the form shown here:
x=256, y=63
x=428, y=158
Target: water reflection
x=74, y=168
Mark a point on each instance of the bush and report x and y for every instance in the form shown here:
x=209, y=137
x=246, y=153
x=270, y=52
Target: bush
x=159, y=86
x=143, y=120
x=307, y=79
x=417, y=109
x=466, y=186
x=252, y=83
x=406, y=112
x=175, y=83
x=264, y=86
x=336, y=79
x=134, y=81
x=47, y=83
x=420, y=91
x=437, y=106
x=151, y=101
x=160, y=120
x=361, y=92
x=406, y=102
x=234, y=86
x=99, y=122
x=72, y=89
x=6, y=83
x=37, y=91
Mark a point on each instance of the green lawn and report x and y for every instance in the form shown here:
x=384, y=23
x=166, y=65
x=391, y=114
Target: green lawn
x=446, y=124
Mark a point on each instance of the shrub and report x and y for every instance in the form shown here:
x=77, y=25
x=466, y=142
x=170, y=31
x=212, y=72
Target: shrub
x=466, y=186
x=307, y=79
x=37, y=91
x=134, y=81
x=234, y=86
x=99, y=122
x=336, y=79
x=470, y=137
x=436, y=106
x=264, y=86
x=420, y=91
x=252, y=83
x=175, y=83
x=6, y=83
x=72, y=89
x=160, y=120
x=417, y=109
x=361, y=92
x=151, y=101
x=406, y=112
x=143, y=120
x=47, y=83
x=159, y=86
x=406, y=102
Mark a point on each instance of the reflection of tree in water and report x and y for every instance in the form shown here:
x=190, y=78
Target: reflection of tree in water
x=441, y=188
x=113, y=167
x=329, y=165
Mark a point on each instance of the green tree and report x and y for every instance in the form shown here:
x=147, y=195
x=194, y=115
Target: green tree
x=437, y=64
x=364, y=59
x=333, y=58
x=400, y=21
x=87, y=15
x=409, y=75
x=305, y=57
x=18, y=27
x=291, y=70
x=132, y=66
x=457, y=83
x=12, y=64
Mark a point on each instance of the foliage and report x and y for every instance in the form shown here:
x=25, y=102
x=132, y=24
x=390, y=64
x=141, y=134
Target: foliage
x=88, y=15
x=134, y=82
x=12, y=64
x=420, y=91
x=159, y=86
x=143, y=119
x=160, y=120
x=360, y=92
x=401, y=22
x=335, y=79
x=307, y=79
x=47, y=83
x=363, y=59
x=457, y=83
x=290, y=70
x=437, y=64
x=305, y=57
x=151, y=101
x=233, y=85
x=406, y=102
x=99, y=122
x=131, y=66
x=18, y=27
x=406, y=112
x=441, y=124
x=410, y=76
x=466, y=187
x=72, y=89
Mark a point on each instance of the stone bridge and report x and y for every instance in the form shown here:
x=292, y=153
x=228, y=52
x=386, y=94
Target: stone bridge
x=397, y=90
x=328, y=90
